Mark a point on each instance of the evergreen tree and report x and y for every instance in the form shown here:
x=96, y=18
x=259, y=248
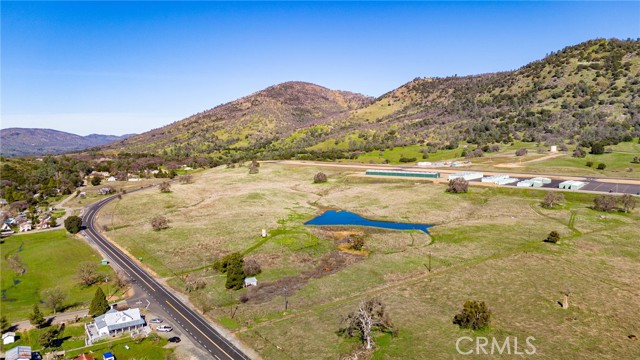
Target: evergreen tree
x=99, y=304
x=4, y=324
x=36, y=318
x=235, y=274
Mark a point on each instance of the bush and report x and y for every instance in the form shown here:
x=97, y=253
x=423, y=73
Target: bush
x=407, y=160
x=553, y=237
x=73, y=224
x=251, y=267
x=458, y=186
x=597, y=149
x=601, y=166
x=165, y=187
x=604, y=203
x=357, y=243
x=474, y=315
x=578, y=153
x=96, y=180
x=589, y=163
x=159, y=223
x=522, y=152
x=320, y=178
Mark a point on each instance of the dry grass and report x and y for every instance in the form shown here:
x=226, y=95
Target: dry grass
x=485, y=245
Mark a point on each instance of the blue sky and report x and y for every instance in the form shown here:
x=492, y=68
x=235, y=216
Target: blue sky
x=121, y=67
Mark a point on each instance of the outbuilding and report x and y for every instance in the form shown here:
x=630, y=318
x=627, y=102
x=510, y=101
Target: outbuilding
x=8, y=338
x=571, y=185
x=251, y=281
x=467, y=175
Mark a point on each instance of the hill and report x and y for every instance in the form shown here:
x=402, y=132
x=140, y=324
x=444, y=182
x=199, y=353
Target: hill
x=32, y=142
x=252, y=122
x=582, y=94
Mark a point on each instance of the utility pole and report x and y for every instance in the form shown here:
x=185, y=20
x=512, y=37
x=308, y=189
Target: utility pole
x=286, y=304
x=429, y=261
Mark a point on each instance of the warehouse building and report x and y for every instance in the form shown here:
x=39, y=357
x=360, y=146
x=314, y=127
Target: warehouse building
x=414, y=174
x=571, y=185
x=467, y=175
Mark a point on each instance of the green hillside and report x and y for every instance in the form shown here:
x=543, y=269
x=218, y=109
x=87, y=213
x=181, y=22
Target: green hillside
x=579, y=95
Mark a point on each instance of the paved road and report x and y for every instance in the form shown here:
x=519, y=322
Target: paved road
x=189, y=321
x=596, y=185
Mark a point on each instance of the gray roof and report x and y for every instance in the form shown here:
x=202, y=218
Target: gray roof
x=107, y=320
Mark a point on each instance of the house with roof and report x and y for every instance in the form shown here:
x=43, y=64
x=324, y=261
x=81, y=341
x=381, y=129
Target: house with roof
x=8, y=338
x=25, y=226
x=250, y=281
x=112, y=323
x=18, y=353
x=6, y=228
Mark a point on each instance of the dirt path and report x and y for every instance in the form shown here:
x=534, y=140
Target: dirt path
x=520, y=164
x=55, y=319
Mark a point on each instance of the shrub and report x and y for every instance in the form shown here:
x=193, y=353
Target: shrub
x=589, y=163
x=578, y=153
x=474, y=315
x=407, y=160
x=553, y=237
x=96, y=180
x=320, y=178
x=522, y=152
x=159, y=223
x=165, y=187
x=597, y=149
x=601, y=166
x=604, y=203
x=458, y=186
x=251, y=267
x=357, y=243
x=73, y=224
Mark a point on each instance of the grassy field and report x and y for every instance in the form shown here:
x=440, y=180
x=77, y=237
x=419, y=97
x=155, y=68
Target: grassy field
x=485, y=245
x=50, y=259
x=617, y=162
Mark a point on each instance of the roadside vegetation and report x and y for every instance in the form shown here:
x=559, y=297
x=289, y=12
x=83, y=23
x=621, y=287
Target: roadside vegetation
x=42, y=268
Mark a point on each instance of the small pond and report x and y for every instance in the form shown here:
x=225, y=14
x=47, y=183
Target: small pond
x=342, y=218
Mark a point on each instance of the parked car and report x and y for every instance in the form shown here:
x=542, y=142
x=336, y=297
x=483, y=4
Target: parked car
x=174, y=339
x=155, y=321
x=164, y=328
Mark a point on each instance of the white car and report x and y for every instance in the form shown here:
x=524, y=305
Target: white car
x=164, y=328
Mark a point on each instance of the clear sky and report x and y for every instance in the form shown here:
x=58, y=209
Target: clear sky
x=122, y=67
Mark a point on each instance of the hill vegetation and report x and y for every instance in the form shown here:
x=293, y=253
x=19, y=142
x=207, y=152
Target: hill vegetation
x=579, y=96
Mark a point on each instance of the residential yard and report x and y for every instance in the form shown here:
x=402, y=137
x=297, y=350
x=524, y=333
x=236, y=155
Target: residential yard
x=49, y=259
x=485, y=245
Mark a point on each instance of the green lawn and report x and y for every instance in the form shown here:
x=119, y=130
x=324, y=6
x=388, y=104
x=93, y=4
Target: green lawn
x=50, y=259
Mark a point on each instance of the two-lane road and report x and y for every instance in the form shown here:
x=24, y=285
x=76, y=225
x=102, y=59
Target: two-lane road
x=188, y=320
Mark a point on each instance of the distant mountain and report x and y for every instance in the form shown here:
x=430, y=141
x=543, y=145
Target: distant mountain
x=581, y=94
x=33, y=142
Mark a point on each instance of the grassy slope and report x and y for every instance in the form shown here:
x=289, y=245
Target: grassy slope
x=486, y=245
x=51, y=259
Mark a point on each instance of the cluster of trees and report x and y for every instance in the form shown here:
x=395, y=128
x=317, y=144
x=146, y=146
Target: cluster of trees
x=624, y=202
x=237, y=269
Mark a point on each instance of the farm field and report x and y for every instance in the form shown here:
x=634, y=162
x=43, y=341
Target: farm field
x=485, y=245
x=49, y=259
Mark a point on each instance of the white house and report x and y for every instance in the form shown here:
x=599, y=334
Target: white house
x=25, y=226
x=250, y=281
x=8, y=338
x=18, y=353
x=111, y=178
x=6, y=228
x=113, y=322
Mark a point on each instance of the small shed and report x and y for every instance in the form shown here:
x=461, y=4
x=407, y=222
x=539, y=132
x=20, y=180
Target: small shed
x=251, y=281
x=108, y=356
x=104, y=262
x=8, y=338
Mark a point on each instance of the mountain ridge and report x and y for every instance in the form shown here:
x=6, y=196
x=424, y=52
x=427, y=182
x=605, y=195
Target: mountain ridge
x=18, y=141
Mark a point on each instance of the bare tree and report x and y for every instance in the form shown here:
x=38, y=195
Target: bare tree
x=165, y=187
x=251, y=267
x=159, y=223
x=552, y=199
x=87, y=273
x=53, y=298
x=604, y=203
x=370, y=316
x=458, y=185
x=320, y=178
x=628, y=202
x=121, y=280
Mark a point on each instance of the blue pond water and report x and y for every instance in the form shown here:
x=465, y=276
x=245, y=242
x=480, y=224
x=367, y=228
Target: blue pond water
x=333, y=217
